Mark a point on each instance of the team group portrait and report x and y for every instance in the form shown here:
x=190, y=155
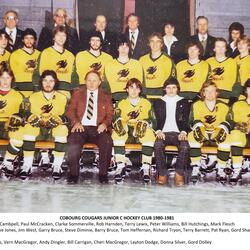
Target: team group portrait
x=147, y=107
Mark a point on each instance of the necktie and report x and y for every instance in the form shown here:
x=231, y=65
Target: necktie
x=132, y=41
x=203, y=43
x=11, y=42
x=90, y=107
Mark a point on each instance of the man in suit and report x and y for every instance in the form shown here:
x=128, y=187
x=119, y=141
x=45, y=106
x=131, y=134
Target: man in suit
x=172, y=113
x=90, y=111
x=203, y=37
x=137, y=40
x=10, y=20
x=46, y=35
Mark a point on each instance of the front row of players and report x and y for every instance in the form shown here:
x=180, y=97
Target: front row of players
x=90, y=114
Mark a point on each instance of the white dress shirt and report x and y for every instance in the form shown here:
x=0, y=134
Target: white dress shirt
x=202, y=37
x=13, y=34
x=170, y=123
x=93, y=120
x=136, y=34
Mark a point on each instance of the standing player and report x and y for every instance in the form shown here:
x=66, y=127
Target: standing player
x=134, y=117
x=193, y=72
x=46, y=118
x=60, y=60
x=23, y=62
x=10, y=119
x=118, y=71
x=224, y=73
x=157, y=67
x=4, y=53
x=208, y=120
x=92, y=59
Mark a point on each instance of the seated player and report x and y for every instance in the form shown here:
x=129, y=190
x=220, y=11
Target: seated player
x=133, y=117
x=240, y=135
x=118, y=71
x=10, y=118
x=4, y=53
x=208, y=121
x=60, y=60
x=224, y=73
x=46, y=118
x=172, y=112
x=23, y=62
x=192, y=72
x=157, y=67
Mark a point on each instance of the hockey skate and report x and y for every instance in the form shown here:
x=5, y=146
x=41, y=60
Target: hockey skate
x=119, y=172
x=195, y=176
x=145, y=168
x=25, y=172
x=56, y=172
x=7, y=169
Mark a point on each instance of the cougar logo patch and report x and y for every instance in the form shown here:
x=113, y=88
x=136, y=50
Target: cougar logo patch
x=3, y=104
x=218, y=71
x=134, y=114
x=210, y=119
x=189, y=73
x=31, y=64
x=150, y=72
x=96, y=66
x=47, y=108
x=62, y=64
x=123, y=75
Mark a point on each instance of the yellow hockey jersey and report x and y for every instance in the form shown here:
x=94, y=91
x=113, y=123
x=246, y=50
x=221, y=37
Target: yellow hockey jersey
x=10, y=104
x=241, y=112
x=191, y=77
x=40, y=105
x=4, y=58
x=209, y=118
x=62, y=63
x=117, y=74
x=225, y=75
x=156, y=72
x=23, y=66
x=244, y=68
x=86, y=61
x=131, y=114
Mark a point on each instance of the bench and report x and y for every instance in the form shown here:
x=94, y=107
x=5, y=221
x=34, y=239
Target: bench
x=129, y=147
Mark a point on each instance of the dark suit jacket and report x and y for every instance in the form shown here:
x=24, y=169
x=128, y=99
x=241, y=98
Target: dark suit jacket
x=176, y=51
x=181, y=114
x=231, y=53
x=18, y=42
x=209, y=52
x=140, y=47
x=46, y=39
x=77, y=107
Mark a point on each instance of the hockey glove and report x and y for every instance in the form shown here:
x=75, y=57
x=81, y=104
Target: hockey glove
x=140, y=128
x=120, y=127
x=15, y=122
x=34, y=120
x=56, y=120
x=219, y=135
x=200, y=134
x=243, y=127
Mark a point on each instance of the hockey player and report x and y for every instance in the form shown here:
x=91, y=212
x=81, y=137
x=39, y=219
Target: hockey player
x=134, y=117
x=208, y=120
x=60, y=60
x=118, y=71
x=239, y=136
x=92, y=59
x=10, y=118
x=224, y=73
x=46, y=117
x=157, y=67
x=4, y=53
x=243, y=60
x=193, y=72
x=23, y=62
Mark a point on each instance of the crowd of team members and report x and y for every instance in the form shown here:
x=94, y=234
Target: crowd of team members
x=159, y=99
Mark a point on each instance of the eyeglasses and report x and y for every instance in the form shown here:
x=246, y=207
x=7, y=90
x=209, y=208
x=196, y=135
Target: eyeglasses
x=9, y=18
x=62, y=16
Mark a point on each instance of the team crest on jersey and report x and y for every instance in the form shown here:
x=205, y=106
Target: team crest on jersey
x=3, y=104
x=61, y=66
x=150, y=72
x=30, y=65
x=96, y=66
x=46, y=108
x=134, y=114
x=123, y=75
x=188, y=75
x=209, y=120
x=217, y=73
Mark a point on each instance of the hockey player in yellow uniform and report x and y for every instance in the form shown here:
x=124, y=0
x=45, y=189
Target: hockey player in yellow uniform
x=4, y=53
x=92, y=59
x=23, y=63
x=134, y=118
x=224, y=73
x=60, y=60
x=192, y=72
x=118, y=71
x=10, y=118
x=157, y=67
x=243, y=60
x=239, y=136
x=208, y=121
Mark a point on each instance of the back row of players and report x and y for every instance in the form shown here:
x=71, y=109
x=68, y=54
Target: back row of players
x=153, y=70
